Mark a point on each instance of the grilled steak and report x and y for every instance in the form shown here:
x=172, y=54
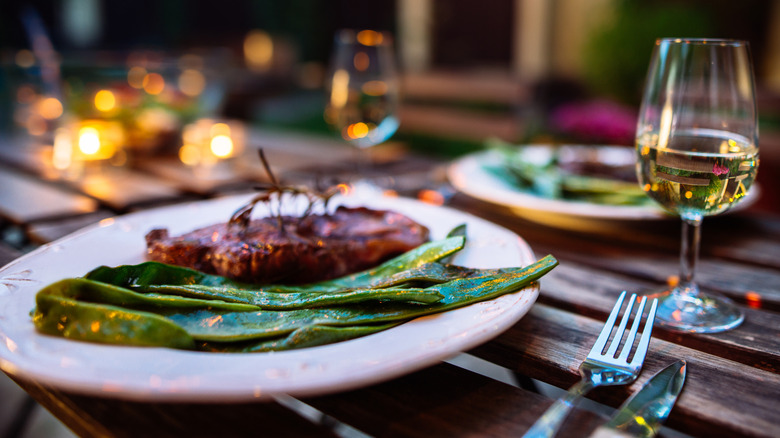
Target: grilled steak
x=311, y=248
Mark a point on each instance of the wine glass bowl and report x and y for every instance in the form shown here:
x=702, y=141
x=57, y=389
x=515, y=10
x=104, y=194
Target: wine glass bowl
x=363, y=87
x=697, y=155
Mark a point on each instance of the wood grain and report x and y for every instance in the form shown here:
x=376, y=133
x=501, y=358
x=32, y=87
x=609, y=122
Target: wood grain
x=549, y=344
x=756, y=342
x=8, y=254
x=24, y=199
x=89, y=416
x=445, y=400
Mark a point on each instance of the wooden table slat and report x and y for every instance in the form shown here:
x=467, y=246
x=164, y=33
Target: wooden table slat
x=202, y=181
x=549, y=344
x=445, y=400
x=741, y=282
x=24, y=199
x=89, y=416
x=8, y=254
x=117, y=187
x=756, y=342
x=48, y=231
x=121, y=188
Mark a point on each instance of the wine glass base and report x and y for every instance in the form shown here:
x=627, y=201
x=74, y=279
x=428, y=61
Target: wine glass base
x=695, y=312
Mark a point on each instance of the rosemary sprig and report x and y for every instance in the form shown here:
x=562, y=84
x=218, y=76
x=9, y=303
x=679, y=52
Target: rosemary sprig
x=239, y=221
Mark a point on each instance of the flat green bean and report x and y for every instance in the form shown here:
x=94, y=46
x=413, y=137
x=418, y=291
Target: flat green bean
x=230, y=326
x=152, y=304
x=307, y=336
x=140, y=276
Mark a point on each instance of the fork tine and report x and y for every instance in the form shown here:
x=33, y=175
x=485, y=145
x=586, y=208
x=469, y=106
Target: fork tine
x=632, y=333
x=622, y=328
x=601, y=342
x=644, y=341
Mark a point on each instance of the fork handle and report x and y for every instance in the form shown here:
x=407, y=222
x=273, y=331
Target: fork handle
x=549, y=423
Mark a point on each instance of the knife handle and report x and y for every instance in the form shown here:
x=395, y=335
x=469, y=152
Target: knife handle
x=549, y=423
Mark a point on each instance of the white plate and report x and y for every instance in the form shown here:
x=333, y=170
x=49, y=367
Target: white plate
x=172, y=375
x=469, y=175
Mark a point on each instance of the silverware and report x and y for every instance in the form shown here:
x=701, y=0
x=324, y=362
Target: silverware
x=644, y=412
x=603, y=369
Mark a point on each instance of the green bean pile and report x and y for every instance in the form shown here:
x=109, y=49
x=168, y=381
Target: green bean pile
x=154, y=304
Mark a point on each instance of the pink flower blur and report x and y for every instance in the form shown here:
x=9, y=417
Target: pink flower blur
x=598, y=120
x=719, y=170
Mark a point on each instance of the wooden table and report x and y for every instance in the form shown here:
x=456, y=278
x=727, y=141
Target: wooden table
x=733, y=381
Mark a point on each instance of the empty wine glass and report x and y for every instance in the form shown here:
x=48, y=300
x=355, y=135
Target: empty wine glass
x=697, y=155
x=363, y=90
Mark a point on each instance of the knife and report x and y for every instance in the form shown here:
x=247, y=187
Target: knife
x=644, y=412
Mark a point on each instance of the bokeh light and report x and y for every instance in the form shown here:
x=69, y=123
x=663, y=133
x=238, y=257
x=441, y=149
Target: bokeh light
x=49, y=108
x=89, y=140
x=258, y=50
x=361, y=61
x=25, y=58
x=222, y=146
x=153, y=83
x=192, y=82
x=105, y=100
x=370, y=37
x=135, y=77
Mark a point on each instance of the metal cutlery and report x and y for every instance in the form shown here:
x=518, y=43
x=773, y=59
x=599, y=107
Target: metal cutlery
x=602, y=368
x=644, y=412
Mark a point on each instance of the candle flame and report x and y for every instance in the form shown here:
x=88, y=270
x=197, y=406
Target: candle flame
x=222, y=146
x=99, y=140
x=89, y=140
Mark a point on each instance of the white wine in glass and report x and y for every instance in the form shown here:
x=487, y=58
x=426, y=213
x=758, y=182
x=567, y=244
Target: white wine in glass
x=363, y=89
x=697, y=155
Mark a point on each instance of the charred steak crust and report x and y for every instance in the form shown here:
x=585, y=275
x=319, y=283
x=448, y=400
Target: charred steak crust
x=312, y=248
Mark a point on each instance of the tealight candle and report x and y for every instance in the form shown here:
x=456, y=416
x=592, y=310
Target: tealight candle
x=84, y=141
x=207, y=141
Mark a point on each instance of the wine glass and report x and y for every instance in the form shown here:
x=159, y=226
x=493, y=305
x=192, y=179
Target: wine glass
x=363, y=90
x=697, y=155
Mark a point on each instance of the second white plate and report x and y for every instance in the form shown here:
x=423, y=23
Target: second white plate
x=469, y=175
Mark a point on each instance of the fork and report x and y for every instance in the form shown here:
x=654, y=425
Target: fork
x=600, y=368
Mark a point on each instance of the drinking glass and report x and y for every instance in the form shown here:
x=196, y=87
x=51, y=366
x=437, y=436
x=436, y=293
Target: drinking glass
x=697, y=155
x=363, y=90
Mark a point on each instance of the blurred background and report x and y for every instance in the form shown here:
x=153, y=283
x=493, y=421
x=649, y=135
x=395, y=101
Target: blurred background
x=148, y=77
x=519, y=70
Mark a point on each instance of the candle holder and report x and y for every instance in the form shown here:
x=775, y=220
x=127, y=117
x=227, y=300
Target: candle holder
x=81, y=145
x=208, y=142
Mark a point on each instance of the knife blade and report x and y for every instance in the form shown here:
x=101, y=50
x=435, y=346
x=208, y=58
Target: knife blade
x=644, y=412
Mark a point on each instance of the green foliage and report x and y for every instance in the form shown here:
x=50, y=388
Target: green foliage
x=616, y=56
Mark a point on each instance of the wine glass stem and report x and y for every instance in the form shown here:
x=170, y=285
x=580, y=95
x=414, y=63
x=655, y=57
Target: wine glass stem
x=689, y=252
